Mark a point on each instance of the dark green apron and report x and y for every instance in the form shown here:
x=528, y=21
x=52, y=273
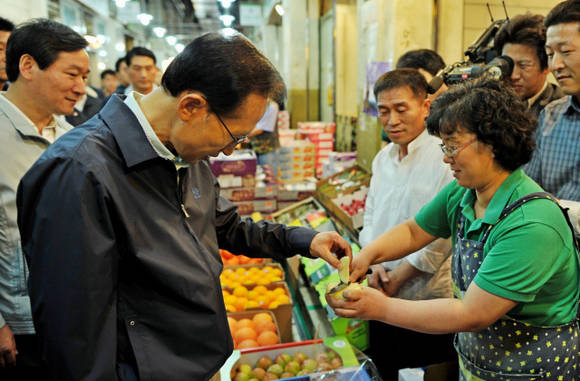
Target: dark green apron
x=509, y=349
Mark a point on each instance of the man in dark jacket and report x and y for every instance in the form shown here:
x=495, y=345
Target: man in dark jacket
x=523, y=39
x=122, y=220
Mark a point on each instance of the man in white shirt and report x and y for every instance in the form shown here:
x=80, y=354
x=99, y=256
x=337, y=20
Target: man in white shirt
x=46, y=64
x=406, y=175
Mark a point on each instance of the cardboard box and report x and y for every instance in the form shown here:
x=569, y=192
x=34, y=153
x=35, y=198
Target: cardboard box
x=296, y=192
x=241, y=163
x=251, y=206
x=297, y=146
x=259, y=266
x=246, y=194
x=354, y=222
x=345, y=181
x=311, y=348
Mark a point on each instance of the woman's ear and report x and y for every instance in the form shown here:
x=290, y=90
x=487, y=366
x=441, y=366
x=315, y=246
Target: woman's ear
x=191, y=105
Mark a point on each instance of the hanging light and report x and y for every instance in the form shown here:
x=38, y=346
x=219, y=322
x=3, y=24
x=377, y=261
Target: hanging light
x=226, y=3
x=121, y=3
x=279, y=9
x=179, y=47
x=145, y=18
x=227, y=19
x=159, y=31
x=171, y=40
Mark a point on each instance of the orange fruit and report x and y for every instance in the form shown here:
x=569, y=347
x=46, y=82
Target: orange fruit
x=243, y=323
x=262, y=317
x=248, y=344
x=252, y=304
x=265, y=326
x=260, y=290
x=233, y=324
x=230, y=308
x=267, y=338
x=240, y=303
x=245, y=333
x=282, y=299
x=240, y=291
x=273, y=305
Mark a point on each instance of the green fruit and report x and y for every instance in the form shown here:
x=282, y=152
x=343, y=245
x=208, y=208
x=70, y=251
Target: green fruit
x=336, y=363
x=299, y=357
x=286, y=375
x=309, y=365
x=246, y=369
x=259, y=373
x=292, y=367
x=324, y=367
x=264, y=362
x=276, y=369
x=242, y=377
x=344, y=272
x=352, y=286
x=270, y=376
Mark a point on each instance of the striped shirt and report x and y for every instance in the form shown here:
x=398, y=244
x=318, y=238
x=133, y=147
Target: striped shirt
x=555, y=164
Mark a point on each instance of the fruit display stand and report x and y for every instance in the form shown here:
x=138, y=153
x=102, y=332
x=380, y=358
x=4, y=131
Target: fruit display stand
x=259, y=326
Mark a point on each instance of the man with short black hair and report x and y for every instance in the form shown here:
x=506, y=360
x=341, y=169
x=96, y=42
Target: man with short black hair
x=124, y=276
x=47, y=67
x=428, y=62
x=523, y=39
x=141, y=70
x=121, y=70
x=406, y=175
x=6, y=28
x=109, y=82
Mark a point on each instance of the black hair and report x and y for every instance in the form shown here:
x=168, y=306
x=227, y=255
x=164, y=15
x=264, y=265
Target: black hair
x=118, y=63
x=493, y=112
x=225, y=69
x=6, y=25
x=43, y=40
x=565, y=12
x=402, y=78
x=106, y=72
x=139, y=51
x=526, y=30
x=425, y=59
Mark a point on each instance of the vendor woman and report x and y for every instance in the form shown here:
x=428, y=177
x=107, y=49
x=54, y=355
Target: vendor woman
x=515, y=266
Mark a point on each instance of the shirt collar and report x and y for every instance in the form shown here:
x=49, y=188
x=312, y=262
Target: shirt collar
x=26, y=127
x=415, y=145
x=127, y=132
x=573, y=105
x=537, y=95
x=499, y=200
x=132, y=101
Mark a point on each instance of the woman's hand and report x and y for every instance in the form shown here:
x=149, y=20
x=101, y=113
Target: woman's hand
x=366, y=303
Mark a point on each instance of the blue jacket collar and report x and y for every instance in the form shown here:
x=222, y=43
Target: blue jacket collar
x=127, y=131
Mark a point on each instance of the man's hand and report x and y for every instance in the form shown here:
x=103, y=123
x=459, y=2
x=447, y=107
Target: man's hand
x=328, y=244
x=8, y=350
x=380, y=279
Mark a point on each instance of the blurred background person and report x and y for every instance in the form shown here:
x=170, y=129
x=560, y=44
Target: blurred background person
x=6, y=28
x=122, y=75
x=264, y=138
x=89, y=104
x=523, y=39
x=428, y=62
x=109, y=82
x=141, y=70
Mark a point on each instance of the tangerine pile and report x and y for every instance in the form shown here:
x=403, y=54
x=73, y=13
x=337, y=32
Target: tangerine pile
x=241, y=298
x=256, y=332
x=230, y=259
x=245, y=276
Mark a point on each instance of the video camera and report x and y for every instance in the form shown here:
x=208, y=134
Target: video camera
x=481, y=61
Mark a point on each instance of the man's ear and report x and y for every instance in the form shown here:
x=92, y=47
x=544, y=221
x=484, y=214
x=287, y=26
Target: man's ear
x=27, y=66
x=192, y=105
x=426, y=107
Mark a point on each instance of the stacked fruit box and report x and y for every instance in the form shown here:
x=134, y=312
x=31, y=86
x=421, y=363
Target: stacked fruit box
x=322, y=135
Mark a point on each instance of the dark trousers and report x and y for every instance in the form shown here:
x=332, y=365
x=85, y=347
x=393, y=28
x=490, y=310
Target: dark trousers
x=392, y=348
x=29, y=365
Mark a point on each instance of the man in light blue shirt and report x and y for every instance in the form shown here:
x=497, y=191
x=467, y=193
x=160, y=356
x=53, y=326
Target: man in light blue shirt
x=46, y=64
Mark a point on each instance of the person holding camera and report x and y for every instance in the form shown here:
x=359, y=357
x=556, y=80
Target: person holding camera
x=523, y=39
x=515, y=266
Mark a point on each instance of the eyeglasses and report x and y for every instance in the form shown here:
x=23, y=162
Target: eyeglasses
x=236, y=141
x=451, y=152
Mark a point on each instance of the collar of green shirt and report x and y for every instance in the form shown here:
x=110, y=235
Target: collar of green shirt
x=497, y=204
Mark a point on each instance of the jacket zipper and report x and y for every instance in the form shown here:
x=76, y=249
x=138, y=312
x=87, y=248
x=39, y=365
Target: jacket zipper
x=180, y=195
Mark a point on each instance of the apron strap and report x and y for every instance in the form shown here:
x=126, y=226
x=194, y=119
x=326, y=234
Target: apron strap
x=537, y=196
